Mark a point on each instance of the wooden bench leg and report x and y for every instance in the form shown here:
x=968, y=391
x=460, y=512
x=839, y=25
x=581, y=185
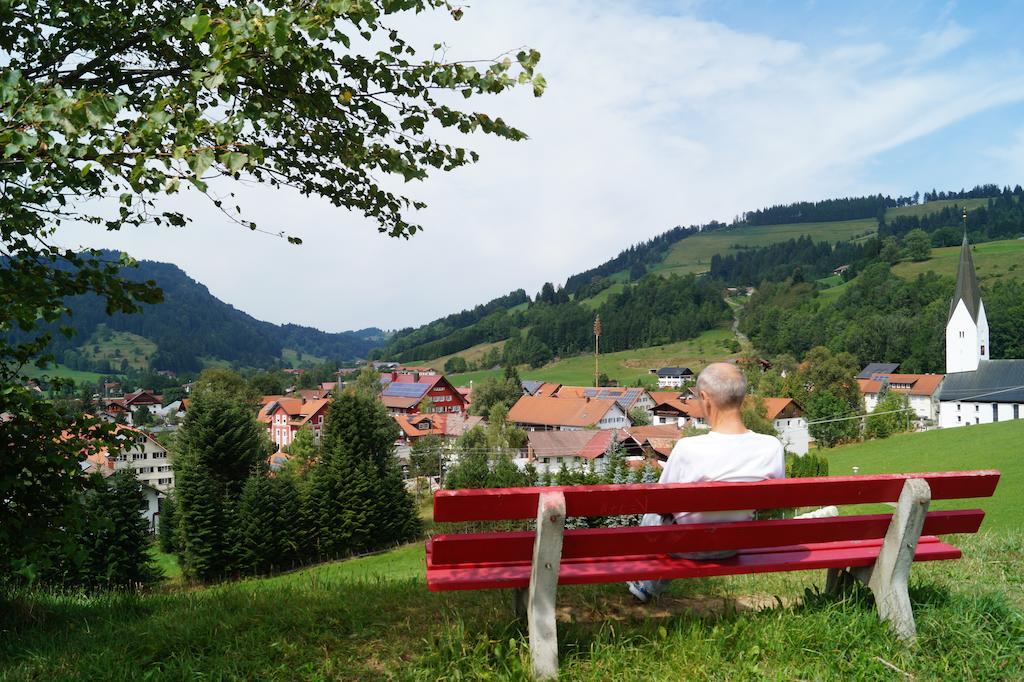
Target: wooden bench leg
x=887, y=579
x=540, y=601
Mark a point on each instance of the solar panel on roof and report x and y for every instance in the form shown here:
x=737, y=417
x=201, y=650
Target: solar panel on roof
x=396, y=390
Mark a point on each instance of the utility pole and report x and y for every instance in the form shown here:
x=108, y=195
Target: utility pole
x=597, y=348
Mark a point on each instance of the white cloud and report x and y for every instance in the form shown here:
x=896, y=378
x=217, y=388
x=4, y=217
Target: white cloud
x=649, y=121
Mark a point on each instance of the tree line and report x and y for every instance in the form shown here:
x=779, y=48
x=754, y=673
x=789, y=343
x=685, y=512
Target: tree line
x=230, y=515
x=775, y=262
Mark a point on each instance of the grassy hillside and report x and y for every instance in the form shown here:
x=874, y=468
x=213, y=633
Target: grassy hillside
x=471, y=354
x=373, y=618
x=991, y=446
x=694, y=253
x=62, y=372
x=625, y=366
x=292, y=359
x=934, y=207
x=992, y=260
x=116, y=346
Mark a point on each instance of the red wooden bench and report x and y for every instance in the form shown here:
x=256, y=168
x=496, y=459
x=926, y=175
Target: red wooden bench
x=876, y=549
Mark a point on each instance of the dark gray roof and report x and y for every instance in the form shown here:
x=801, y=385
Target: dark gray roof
x=995, y=381
x=874, y=368
x=674, y=372
x=530, y=386
x=966, y=284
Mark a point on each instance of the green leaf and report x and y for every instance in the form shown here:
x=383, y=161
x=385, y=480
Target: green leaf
x=234, y=161
x=199, y=24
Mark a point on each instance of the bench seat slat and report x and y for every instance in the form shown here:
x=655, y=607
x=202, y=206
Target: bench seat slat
x=494, y=504
x=603, y=542
x=614, y=569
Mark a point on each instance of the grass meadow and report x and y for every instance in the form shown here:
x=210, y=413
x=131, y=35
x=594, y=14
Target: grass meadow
x=993, y=261
x=372, y=618
x=624, y=366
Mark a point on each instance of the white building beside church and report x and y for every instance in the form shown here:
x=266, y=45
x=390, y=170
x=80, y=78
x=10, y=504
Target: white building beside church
x=977, y=389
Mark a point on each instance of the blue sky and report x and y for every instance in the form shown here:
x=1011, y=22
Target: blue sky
x=656, y=114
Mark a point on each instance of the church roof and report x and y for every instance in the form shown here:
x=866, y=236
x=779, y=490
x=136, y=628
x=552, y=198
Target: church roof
x=966, y=284
x=995, y=381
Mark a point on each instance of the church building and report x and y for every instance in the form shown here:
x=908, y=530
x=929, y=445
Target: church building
x=977, y=389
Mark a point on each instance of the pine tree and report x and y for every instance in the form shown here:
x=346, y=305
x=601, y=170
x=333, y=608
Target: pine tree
x=255, y=528
x=115, y=536
x=167, y=528
x=220, y=445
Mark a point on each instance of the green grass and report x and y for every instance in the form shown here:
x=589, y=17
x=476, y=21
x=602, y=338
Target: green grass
x=600, y=297
x=115, y=346
x=373, y=618
x=693, y=254
x=471, y=354
x=991, y=446
x=167, y=563
x=62, y=372
x=624, y=366
x=291, y=357
x=934, y=207
x=992, y=260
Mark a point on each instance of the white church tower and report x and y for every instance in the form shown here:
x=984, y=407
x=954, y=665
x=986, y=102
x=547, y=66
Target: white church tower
x=967, y=326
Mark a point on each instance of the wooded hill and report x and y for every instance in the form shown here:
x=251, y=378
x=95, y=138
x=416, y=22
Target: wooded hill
x=749, y=251
x=192, y=327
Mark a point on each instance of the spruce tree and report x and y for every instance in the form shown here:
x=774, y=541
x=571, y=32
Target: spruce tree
x=220, y=445
x=167, y=528
x=254, y=530
x=115, y=537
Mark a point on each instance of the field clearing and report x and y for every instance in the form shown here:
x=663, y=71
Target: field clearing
x=693, y=254
x=993, y=261
x=934, y=207
x=625, y=366
x=291, y=357
x=57, y=371
x=989, y=446
x=115, y=347
x=471, y=354
x=598, y=299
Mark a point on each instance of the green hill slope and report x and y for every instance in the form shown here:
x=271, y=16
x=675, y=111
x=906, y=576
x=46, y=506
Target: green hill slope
x=991, y=446
x=992, y=261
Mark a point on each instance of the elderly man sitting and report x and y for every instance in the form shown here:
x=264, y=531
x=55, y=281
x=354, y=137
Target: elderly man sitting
x=729, y=452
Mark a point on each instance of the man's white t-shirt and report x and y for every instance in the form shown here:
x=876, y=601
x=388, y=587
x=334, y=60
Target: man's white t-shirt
x=741, y=457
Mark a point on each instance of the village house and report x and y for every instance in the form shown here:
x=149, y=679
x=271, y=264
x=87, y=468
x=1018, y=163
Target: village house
x=674, y=377
x=443, y=425
x=144, y=456
x=567, y=414
x=404, y=392
x=790, y=422
x=541, y=389
x=680, y=409
x=922, y=391
x=627, y=398
x=649, y=443
x=284, y=417
x=977, y=389
x=551, y=450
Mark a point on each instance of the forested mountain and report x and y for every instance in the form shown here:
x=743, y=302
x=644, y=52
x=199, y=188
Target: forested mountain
x=558, y=321
x=191, y=324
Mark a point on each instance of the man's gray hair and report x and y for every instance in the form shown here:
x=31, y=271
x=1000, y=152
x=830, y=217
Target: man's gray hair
x=724, y=384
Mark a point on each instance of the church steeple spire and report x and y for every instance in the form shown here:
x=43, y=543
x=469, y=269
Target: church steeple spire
x=966, y=283
x=966, y=326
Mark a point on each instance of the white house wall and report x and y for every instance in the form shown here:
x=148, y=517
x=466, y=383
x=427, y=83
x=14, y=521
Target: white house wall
x=953, y=413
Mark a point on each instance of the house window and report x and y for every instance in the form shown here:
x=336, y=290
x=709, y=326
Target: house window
x=160, y=454
x=977, y=408
x=136, y=456
x=163, y=481
x=995, y=412
x=983, y=350
x=958, y=419
x=958, y=407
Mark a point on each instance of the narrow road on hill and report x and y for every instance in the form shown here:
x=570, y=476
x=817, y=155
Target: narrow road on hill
x=736, y=306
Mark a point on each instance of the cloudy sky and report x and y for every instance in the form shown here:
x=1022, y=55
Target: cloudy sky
x=657, y=114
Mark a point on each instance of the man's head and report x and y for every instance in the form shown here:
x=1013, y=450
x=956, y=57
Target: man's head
x=723, y=386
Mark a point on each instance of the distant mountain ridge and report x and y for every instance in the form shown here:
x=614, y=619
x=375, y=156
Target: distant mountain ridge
x=192, y=325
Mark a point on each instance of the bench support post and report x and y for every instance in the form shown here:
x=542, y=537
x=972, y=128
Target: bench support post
x=540, y=600
x=887, y=579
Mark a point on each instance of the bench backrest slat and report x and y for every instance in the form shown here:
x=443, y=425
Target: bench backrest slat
x=498, y=547
x=494, y=504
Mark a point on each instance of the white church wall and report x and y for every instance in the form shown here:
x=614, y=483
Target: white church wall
x=962, y=343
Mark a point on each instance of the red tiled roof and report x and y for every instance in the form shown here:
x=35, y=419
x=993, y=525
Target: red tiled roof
x=585, y=444
x=775, y=406
x=920, y=384
x=690, y=408
x=559, y=411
